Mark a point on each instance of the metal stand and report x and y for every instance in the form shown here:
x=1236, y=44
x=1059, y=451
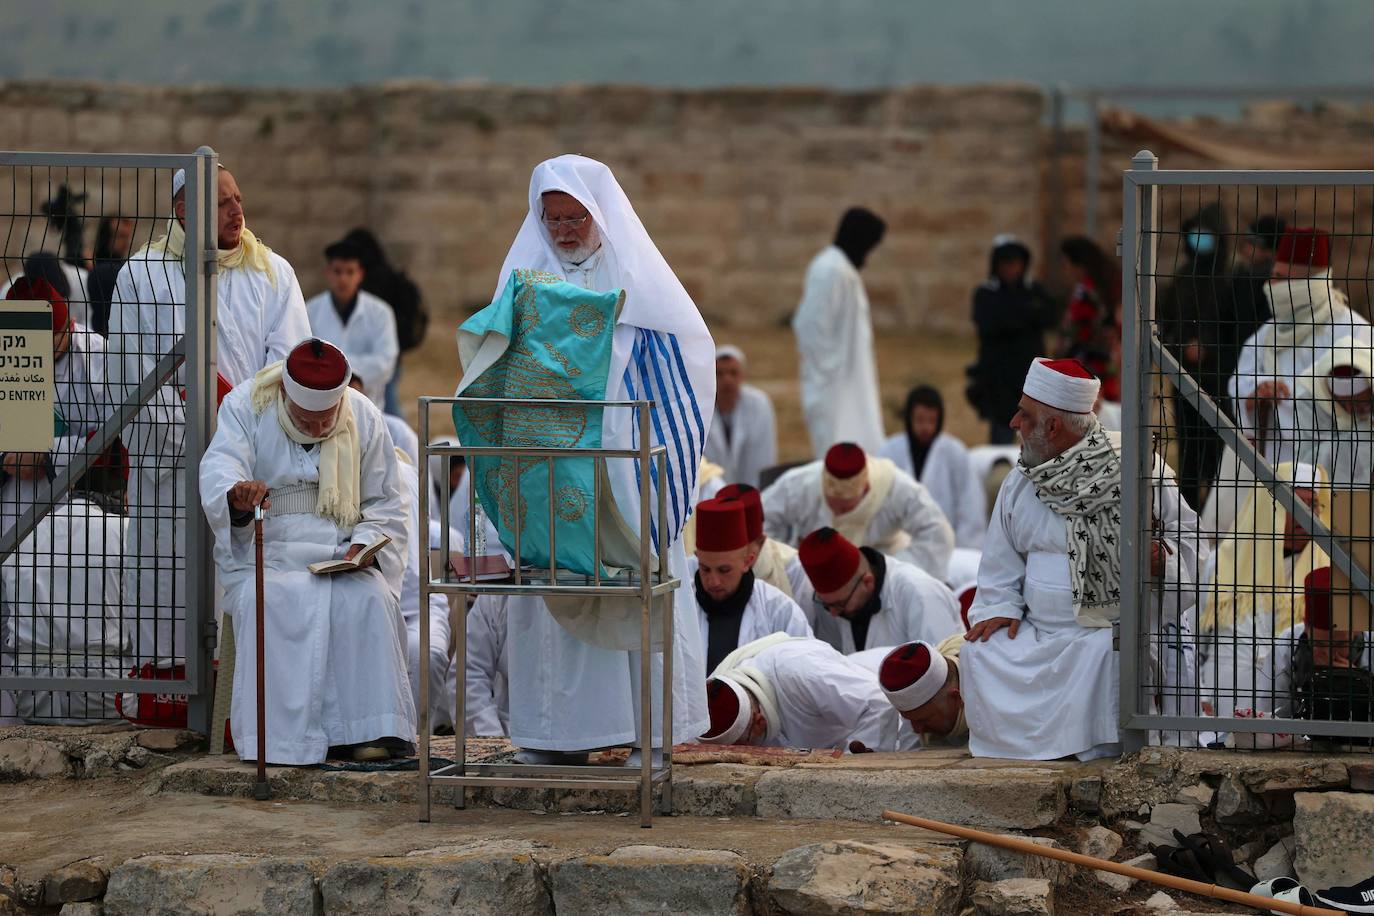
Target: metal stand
x=261, y=790
x=650, y=586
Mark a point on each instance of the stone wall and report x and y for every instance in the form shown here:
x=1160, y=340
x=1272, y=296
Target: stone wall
x=739, y=187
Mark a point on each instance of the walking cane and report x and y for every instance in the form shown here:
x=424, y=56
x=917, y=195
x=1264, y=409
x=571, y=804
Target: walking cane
x=261, y=791
x=1015, y=844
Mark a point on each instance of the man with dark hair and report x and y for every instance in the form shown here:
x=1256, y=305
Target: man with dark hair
x=358, y=322
x=839, y=377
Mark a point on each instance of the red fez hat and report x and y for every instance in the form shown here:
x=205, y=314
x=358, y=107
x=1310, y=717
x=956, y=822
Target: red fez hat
x=829, y=559
x=845, y=460
x=1317, y=585
x=730, y=710
x=316, y=375
x=1305, y=246
x=1068, y=366
x=912, y=674
x=721, y=525
x=38, y=288
x=753, y=506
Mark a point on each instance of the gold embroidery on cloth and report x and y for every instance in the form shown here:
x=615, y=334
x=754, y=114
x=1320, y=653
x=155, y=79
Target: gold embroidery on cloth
x=571, y=503
x=586, y=321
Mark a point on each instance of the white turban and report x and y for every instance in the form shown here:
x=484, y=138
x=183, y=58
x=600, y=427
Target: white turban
x=1062, y=383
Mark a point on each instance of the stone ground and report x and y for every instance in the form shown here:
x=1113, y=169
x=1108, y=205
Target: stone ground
x=121, y=821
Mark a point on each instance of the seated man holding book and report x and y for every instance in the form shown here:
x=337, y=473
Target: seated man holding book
x=318, y=460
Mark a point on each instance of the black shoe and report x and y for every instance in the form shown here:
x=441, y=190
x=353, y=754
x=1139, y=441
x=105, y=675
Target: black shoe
x=1217, y=860
x=1357, y=898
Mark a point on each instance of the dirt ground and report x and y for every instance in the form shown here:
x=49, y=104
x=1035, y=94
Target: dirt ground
x=904, y=360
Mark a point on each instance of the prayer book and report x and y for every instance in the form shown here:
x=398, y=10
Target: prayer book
x=490, y=567
x=329, y=567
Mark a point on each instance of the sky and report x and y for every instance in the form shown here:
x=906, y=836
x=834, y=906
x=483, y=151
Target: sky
x=694, y=43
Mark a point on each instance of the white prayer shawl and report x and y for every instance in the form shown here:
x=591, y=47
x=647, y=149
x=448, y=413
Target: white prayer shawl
x=753, y=441
x=779, y=565
x=75, y=607
x=368, y=340
x=335, y=645
x=794, y=506
x=768, y=611
x=915, y=605
x=823, y=699
x=1263, y=359
x=839, y=377
x=487, y=700
x=83, y=402
x=948, y=475
x=258, y=320
x=566, y=694
x=440, y=708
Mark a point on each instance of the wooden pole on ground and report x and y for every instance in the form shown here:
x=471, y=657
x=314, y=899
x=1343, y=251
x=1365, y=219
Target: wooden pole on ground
x=1015, y=844
x=261, y=790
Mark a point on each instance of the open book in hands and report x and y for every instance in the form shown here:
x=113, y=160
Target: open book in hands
x=329, y=567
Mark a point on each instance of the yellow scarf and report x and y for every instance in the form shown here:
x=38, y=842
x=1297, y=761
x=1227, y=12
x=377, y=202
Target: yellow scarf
x=340, y=456
x=854, y=523
x=249, y=253
x=1249, y=563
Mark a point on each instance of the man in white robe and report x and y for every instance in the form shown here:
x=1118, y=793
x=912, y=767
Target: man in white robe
x=744, y=438
x=921, y=681
x=486, y=702
x=868, y=500
x=1038, y=670
x=785, y=691
x=774, y=562
x=259, y=318
x=1335, y=408
x=1308, y=316
x=355, y=321
x=81, y=403
x=941, y=463
x=59, y=612
x=857, y=598
x=839, y=374
x=736, y=607
x=568, y=696
x=316, y=457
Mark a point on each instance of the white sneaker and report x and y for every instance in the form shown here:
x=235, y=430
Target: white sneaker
x=635, y=759
x=531, y=757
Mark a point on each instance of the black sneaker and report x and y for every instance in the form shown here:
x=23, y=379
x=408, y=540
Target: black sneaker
x=1357, y=898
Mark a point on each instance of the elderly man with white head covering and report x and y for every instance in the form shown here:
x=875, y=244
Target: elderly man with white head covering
x=586, y=308
x=259, y=317
x=1038, y=671
x=316, y=456
x=744, y=438
x=869, y=500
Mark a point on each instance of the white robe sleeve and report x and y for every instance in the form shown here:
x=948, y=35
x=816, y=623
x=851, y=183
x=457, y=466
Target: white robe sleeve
x=486, y=639
x=763, y=439
x=919, y=515
x=382, y=498
x=784, y=505
x=288, y=323
x=228, y=460
x=1002, y=570
x=971, y=515
x=141, y=330
x=88, y=383
x=786, y=616
x=375, y=364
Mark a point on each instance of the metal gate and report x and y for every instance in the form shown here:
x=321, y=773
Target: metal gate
x=1219, y=644
x=105, y=556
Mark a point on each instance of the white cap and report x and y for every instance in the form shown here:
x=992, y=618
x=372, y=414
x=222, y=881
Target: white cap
x=1065, y=384
x=178, y=182
x=1347, y=386
x=730, y=351
x=737, y=729
x=915, y=671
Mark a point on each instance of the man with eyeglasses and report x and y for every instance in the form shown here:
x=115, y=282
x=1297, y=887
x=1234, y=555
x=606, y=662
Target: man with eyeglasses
x=862, y=599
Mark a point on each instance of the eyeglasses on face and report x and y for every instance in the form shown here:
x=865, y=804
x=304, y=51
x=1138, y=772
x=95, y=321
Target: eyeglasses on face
x=836, y=607
x=558, y=225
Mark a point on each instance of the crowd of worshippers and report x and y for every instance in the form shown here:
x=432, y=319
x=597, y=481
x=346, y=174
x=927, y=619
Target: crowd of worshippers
x=867, y=600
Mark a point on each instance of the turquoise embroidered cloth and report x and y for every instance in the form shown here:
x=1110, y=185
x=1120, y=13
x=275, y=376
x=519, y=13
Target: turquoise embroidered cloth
x=560, y=348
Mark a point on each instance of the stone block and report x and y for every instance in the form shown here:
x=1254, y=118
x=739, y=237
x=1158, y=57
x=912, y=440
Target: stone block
x=490, y=879
x=1332, y=830
x=1165, y=819
x=1121, y=883
x=994, y=799
x=74, y=883
x=1161, y=902
x=202, y=885
x=1361, y=777
x=87, y=908
x=1014, y=897
x=165, y=739
x=1085, y=794
x=993, y=863
x=1237, y=805
x=25, y=758
x=1100, y=843
x=1296, y=777
x=1200, y=796
x=651, y=879
x=1278, y=861
x=849, y=877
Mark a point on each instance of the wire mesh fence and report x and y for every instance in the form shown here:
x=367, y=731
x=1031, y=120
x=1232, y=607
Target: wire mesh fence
x=1247, y=360
x=104, y=566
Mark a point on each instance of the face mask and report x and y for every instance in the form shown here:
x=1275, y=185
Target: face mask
x=1201, y=242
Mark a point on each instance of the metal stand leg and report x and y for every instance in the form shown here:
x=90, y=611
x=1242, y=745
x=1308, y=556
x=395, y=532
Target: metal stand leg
x=646, y=720
x=666, y=799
